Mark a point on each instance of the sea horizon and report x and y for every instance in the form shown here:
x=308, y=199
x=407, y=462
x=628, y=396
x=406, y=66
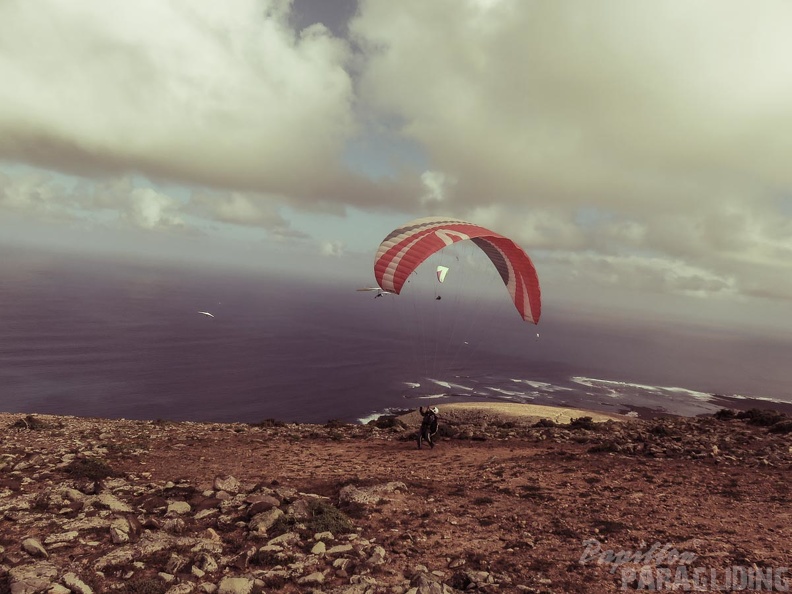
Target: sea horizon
x=113, y=339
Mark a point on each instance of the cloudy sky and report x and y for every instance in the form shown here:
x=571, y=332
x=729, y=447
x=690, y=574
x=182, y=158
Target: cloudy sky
x=638, y=151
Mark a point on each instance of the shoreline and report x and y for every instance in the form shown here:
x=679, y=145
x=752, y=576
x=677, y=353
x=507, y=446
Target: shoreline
x=524, y=411
x=561, y=415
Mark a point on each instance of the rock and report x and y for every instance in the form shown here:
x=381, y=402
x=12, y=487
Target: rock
x=299, y=510
x=319, y=548
x=178, y=508
x=287, y=538
x=108, y=501
x=226, y=483
x=61, y=537
x=119, y=531
x=377, y=557
x=235, y=585
x=30, y=579
x=262, y=503
x=207, y=563
x=75, y=584
x=33, y=547
x=340, y=549
x=312, y=579
x=183, y=588
x=262, y=522
x=370, y=495
x=176, y=563
x=286, y=494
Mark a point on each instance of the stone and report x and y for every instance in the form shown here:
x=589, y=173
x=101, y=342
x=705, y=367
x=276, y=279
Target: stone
x=33, y=547
x=226, y=483
x=235, y=585
x=262, y=522
x=108, y=501
x=312, y=579
x=75, y=584
x=178, y=508
x=31, y=579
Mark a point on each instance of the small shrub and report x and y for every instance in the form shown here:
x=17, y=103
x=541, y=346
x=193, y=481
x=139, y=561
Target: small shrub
x=89, y=468
x=582, y=423
x=273, y=558
x=388, y=422
x=283, y=524
x=335, y=424
x=269, y=423
x=144, y=585
x=506, y=424
x=605, y=446
x=29, y=422
x=328, y=518
x=661, y=430
x=725, y=414
x=460, y=581
x=610, y=526
x=545, y=423
x=763, y=418
x=275, y=581
x=782, y=427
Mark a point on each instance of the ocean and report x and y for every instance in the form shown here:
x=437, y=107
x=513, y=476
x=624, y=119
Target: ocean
x=118, y=339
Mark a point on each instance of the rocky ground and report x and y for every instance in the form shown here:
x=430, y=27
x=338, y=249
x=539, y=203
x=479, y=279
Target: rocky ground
x=501, y=504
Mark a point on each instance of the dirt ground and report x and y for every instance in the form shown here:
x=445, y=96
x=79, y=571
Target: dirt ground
x=523, y=508
x=544, y=509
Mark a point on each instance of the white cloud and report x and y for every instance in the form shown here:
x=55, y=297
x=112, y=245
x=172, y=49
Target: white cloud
x=437, y=186
x=673, y=119
x=227, y=96
x=150, y=209
x=333, y=249
x=650, y=139
x=647, y=274
x=32, y=193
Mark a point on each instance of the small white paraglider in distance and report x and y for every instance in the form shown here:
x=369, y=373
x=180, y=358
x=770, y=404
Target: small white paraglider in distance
x=206, y=313
x=380, y=292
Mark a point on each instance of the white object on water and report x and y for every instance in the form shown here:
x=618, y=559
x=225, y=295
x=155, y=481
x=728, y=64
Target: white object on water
x=206, y=313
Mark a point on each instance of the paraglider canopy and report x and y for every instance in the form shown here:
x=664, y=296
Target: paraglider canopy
x=406, y=247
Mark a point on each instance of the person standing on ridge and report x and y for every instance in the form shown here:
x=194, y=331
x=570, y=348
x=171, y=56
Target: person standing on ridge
x=428, y=425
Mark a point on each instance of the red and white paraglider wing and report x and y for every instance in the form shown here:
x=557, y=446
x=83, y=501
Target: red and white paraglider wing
x=405, y=248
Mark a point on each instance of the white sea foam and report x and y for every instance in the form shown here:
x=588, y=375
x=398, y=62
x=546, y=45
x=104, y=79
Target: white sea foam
x=450, y=385
x=509, y=392
x=761, y=398
x=412, y=384
x=371, y=417
x=432, y=396
x=376, y=415
x=617, y=388
x=540, y=385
